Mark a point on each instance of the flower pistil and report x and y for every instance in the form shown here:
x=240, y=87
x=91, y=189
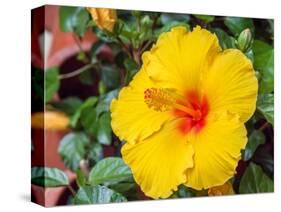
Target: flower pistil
x=190, y=108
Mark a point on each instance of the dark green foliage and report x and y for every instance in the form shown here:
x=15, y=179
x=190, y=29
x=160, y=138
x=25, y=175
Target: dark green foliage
x=48, y=177
x=52, y=83
x=255, y=180
x=93, y=151
x=97, y=195
x=72, y=149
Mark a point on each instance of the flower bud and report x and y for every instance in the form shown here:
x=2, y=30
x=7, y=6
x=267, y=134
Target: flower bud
x=49, y=120
x=225, y=189
x=104, y=18
x=102, y=88
x=245, y=40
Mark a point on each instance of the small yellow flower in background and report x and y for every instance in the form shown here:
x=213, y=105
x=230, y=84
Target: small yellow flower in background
x=225, y=189
x=104, y=18
x=49, y=120
x=183, y=114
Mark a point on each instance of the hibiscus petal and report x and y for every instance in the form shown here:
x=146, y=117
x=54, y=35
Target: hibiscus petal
x=159, y=162
x=217, y=150
x=179, y=57
x=132, y=119
x=231, y=84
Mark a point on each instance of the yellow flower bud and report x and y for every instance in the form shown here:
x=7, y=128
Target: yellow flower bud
x=225, y=189
x=104, y=18
x=49, y=120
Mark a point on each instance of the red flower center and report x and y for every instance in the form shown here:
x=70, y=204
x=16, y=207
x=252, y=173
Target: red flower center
x=195, y=116
x=192, y=109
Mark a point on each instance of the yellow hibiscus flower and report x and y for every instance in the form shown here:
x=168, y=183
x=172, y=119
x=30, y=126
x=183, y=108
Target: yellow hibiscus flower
x=183, y=114
x=104, y=18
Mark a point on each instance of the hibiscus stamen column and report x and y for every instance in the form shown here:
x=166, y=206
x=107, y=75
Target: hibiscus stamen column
x=161, y=99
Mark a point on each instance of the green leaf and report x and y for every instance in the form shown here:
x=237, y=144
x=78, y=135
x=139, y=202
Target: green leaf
x=81, y=180
x=96, y=50
x=120, y=57
x=206, y=18
x=105, y=36
x=73, y=19
x=166, y=18
x=237, y=24
x=104, y=132
x=250, y=55
x=109, y=171
x=104, y=102
x=132, y=68
x=123, y=187
x=264, y=63
x=226, y=41
x=119, y=27
x=90, y=102
x=170, y=25
x=145, y=29
x=124, y=30
x=86, y=77
x=265, y=106
x=95, y=153
x=96, y=47
x=110, y=76
x=66, y=15
x=265, y=160
x=146, y=22
x=68, y=105
x=52, y=83
x=89, y=120
x=48, y=177
x=170, y=20
x=72, y=149
x=184, y=191
x=255, y=181
x=97, y=195
x=255, y=139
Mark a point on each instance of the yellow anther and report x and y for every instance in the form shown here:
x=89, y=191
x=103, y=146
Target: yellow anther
x=164, y=99
x=159, y=99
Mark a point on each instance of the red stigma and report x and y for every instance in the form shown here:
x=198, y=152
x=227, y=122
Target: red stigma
x=198, y=120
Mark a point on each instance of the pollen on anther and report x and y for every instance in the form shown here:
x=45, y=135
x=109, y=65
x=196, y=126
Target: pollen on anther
x=158, y=99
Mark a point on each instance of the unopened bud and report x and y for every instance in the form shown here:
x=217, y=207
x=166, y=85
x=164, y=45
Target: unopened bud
x=84, y=166
x=102, y=88
x=245, y=40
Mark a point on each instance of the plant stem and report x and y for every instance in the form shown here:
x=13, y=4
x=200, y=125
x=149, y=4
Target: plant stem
x=155, y=21
x=126, y=48
x=72, y=191
x=76, y=72
x=137, y=56
x=78, y=42
x=148, y=43
x=84, y=167
x=138, y=23
x=265, y=125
